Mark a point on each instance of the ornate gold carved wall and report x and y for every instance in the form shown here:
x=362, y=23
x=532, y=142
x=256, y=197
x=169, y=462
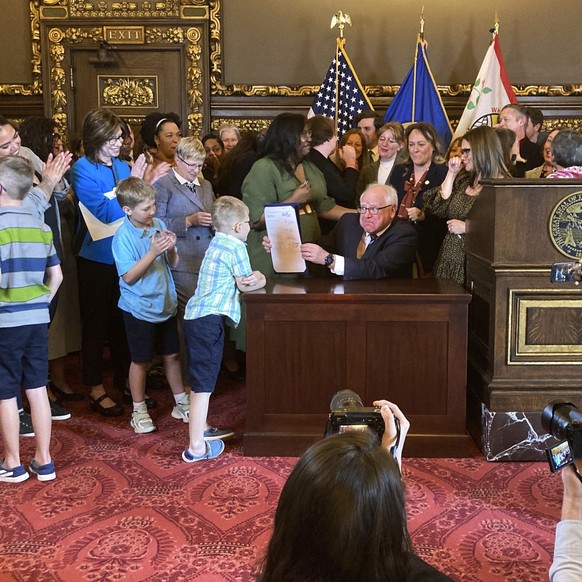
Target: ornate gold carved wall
x=128, y=91
x=60, y=38
x=73, y=18
x=219, y=88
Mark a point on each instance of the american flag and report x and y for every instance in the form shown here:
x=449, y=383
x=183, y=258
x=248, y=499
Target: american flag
x=351, y=97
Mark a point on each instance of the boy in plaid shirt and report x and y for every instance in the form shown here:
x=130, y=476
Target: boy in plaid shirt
x=225, y=272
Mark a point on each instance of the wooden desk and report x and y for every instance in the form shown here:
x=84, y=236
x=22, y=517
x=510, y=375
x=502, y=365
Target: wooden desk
x=404, y=340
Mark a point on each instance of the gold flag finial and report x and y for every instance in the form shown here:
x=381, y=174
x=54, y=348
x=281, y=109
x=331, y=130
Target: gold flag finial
x=422, y=23
x=496, y=26
x=340, y=20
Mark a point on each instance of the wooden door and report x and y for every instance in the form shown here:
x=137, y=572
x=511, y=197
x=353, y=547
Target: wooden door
x=139, y=80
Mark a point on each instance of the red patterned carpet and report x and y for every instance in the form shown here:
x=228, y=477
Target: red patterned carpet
x=124, y=507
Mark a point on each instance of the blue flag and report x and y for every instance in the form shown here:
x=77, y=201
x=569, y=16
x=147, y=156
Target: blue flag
x=418, y=98
x=349, y=99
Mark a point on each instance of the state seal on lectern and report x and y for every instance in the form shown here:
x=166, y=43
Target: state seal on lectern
x=565, y=225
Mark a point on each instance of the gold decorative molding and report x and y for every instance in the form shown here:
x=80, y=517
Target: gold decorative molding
x=59, y=38
x=530, y=312
x=255, y=124
x=218, y=87
x=127, y=91
x=194, y=77
x=131, y=9
x=556, y=123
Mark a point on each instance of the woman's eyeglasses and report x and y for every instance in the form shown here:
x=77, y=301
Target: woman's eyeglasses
x=115, y=140
x=190, y=165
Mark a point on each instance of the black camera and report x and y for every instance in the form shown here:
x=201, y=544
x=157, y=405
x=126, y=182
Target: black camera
x=566, y=273
x=563, y=421
x=348, y=413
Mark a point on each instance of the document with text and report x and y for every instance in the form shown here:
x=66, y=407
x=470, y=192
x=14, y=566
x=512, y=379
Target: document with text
x=282, y=222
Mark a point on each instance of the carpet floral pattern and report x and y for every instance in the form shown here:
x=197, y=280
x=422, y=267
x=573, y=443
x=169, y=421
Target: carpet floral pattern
x=125, y=507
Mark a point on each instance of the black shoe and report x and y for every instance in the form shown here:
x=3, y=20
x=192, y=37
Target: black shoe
x=58, y=412
x=150, y=402
x=240, y=374
x=96, y=406
x=71, y=396
x=156, y=378
x=26, y=429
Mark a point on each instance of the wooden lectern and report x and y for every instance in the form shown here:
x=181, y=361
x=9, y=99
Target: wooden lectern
x=525, y=333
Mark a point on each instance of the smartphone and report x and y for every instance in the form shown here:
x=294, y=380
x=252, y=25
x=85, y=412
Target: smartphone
x=559, y=456
x=566, y=272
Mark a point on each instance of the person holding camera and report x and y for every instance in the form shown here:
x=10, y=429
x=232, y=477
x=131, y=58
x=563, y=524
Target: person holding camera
x=567, y=564
x=341, y=515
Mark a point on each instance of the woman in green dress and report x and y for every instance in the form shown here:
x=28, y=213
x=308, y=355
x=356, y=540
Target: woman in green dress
x=283, y=175
x=481, y=158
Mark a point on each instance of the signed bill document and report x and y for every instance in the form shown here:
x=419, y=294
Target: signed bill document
x=282, y=221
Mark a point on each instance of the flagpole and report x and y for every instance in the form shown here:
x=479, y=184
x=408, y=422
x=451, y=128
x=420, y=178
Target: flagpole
x=337, y=51
x=420, y=38
x=495, y=30
x=340, y=20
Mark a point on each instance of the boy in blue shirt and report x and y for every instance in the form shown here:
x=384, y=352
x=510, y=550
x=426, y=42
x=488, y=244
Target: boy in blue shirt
x=144, y=251
x=225, y=271
x=30, y=276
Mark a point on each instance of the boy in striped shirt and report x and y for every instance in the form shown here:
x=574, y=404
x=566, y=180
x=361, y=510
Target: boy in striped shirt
x=30, y=276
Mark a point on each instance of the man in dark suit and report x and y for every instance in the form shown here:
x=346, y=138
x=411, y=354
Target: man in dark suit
x=515, y=117
x=373, y=245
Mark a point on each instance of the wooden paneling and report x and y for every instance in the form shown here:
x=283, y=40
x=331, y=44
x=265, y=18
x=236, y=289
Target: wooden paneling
x=524, y=330
x=401, y=340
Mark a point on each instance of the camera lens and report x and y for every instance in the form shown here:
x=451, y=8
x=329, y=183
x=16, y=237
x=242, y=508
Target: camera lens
x=345, y=399
x=560, y=418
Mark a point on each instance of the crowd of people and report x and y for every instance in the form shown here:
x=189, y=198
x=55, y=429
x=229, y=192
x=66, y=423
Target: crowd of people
x=143, y=256
x=382, y=201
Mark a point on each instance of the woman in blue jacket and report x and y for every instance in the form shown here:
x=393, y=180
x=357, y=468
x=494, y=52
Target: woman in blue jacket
x=94, y=178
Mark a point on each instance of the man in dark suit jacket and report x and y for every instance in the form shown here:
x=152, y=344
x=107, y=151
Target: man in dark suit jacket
x=373, y=245
x=515, y=117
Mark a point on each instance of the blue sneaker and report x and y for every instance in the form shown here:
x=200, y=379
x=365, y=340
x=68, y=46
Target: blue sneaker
x=213, y=449
x=43, y=472
x=14, y=475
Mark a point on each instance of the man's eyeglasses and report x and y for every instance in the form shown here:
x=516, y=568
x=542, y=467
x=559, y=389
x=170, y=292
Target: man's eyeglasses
x=373, y=210
x=193, y=165
x=465, y=151
x=114, y=140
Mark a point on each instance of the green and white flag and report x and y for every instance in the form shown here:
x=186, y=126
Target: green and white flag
x=491, y=91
